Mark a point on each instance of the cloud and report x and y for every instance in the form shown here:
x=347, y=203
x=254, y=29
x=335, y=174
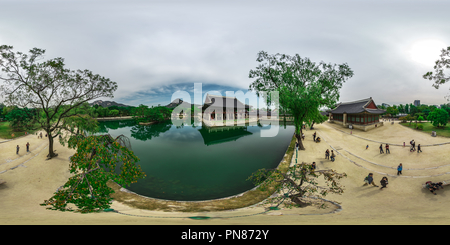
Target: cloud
x=152, y=48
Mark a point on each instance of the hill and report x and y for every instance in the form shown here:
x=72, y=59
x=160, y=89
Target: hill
x=107, y=103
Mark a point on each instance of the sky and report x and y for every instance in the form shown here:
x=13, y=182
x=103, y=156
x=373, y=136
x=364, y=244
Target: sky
x=153, y=49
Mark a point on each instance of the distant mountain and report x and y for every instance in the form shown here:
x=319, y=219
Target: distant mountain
x=177, y=102
x=107, y=103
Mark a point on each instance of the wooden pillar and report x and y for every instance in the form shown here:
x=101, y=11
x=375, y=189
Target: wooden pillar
x=344, y=119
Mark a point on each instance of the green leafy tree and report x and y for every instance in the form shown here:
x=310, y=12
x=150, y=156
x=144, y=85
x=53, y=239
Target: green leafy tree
x=413, y=109
x=99, y=158
x=392, y=111
x=303, y=86
x=409, y=118
x=114, y=113
x=318, y=118
x=438, y=117
x=21, y=118
x=299, y=184
x=49, y=87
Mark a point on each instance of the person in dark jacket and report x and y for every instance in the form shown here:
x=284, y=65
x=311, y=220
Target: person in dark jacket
x=418, y=148
x=369, y=180
x=384, y=182
x=381, y=149
x=430, y=187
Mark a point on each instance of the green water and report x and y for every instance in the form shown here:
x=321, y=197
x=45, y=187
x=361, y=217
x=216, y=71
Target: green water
x=193, y=163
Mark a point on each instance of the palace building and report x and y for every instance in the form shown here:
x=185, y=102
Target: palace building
x=360, y=114
x=224, y=108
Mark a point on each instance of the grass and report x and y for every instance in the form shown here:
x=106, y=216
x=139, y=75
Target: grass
x=428, y=127
x=6, y=132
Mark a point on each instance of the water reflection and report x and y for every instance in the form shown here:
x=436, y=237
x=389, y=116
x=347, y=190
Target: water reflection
x=218, y=135
x=196, y=162
x=147, y=132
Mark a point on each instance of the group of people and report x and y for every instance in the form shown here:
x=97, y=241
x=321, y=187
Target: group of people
x=432, y=187
x=327, y=155
x=40, y=135
x=413, y=146
x=27, y=145
x=369, y=181
x=317, y=140
x=381, y=148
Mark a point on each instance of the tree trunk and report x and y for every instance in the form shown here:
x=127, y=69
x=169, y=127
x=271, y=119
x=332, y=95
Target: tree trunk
x=297, y=201
x=51, y=153
x=299, y=140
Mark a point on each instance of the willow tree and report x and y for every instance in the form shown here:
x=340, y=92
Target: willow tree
x=303, y=85
x=49, y=87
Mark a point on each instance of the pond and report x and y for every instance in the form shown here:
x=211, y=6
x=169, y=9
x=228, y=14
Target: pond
x=193, y=163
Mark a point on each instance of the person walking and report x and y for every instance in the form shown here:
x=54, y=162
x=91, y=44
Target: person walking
x=17, y=149
x=332, y=156
x=327, y=154
x=369, y=180
x=418, y=148
x=399, y=169
x=414, y=145
x=367, y=147
x=381, y=148
x=313, y=165
x=28, y=146
x=384, y=182
x=387, y=149
x=314, y=136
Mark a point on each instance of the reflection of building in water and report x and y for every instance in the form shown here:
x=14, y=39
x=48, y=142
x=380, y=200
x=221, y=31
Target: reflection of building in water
x=217, y=135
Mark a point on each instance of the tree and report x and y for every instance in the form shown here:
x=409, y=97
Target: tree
x=401, y=108
x=97, y=160
x=113, y=113
x=438, y=76
x=392, y=110
x=413, y=109
x=21, y=118
x=303, y=86
x=49, y=87
x=318, y=118
x=299, y=183
x=409, y=118
x=438, y=117
x=406, y=108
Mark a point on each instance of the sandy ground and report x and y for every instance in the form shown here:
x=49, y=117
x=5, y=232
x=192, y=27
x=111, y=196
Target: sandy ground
x=30, y=179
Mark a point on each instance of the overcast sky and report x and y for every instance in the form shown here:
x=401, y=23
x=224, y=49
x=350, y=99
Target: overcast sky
x=154, y=48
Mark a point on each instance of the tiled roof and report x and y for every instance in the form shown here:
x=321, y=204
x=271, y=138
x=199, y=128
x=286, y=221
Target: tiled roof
x=358, y=106
x=222, y=101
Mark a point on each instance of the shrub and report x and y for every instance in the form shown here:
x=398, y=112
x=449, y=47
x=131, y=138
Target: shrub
x=420, y=126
